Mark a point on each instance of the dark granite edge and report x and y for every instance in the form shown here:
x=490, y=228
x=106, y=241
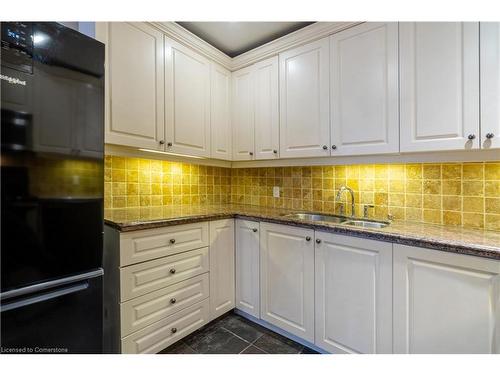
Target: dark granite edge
x=403, y=239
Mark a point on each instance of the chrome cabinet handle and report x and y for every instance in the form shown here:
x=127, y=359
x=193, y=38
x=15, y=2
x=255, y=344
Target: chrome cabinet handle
x=334, y=147
x=325, y=147
x=173, y=330
x=308, y=238
x=275, y=151
x=250, y=153
x=318, y=240
x=162, y=142
x=173, y=300
x=471, y=136
x=169, y=144
x=489, y=135
x=172, y=270
x=254, y=230
x=172, y=241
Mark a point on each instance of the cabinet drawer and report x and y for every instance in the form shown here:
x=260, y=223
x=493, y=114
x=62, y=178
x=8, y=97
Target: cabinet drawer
x=143, y=278
x=142, y=311
x=165, y=332
x=150, y=244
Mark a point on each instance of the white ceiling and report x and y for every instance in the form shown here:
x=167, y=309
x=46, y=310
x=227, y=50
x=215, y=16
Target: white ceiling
x=235, y=38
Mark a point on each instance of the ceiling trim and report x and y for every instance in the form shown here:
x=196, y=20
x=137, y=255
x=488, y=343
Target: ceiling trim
x=302, y=36
x=180, y=34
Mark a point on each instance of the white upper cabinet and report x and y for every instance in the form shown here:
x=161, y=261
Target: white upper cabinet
x=247, y=267
x=364, y=90
x=243, y=114
x=134, y=84
x=187, y=98
x=439, y=75
x=287, y=278
x=266, y=109
x=445, y=303
x=490, y=84
x=305, y=100
x=220, y=112
x=353, y=294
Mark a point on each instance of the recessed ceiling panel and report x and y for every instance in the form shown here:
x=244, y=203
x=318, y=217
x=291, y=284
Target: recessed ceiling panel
x=235, y=38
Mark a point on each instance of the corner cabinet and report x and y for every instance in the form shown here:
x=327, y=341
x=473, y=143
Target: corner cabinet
x=305, y=100
x=287, y=278
x=490, y=84
x=220, y=113
x=247, y=267
x=364, y=90
x=445, y=303
x=255, y=111
x=353, y=294
x=221, y=267
x=439, y=76
x=135, y=85
x=187, y=97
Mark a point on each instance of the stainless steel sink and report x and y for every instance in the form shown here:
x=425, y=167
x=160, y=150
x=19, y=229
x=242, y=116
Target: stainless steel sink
x=366, y=223
x=318, y=217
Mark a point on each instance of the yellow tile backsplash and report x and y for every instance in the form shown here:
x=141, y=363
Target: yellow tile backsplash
x=133, y=182
x=464, y=194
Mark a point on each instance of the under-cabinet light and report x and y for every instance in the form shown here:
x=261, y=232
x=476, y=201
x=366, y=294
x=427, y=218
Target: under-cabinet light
x=171, y=153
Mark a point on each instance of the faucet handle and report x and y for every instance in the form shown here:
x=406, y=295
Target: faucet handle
x=341, y=209
x=365, y=209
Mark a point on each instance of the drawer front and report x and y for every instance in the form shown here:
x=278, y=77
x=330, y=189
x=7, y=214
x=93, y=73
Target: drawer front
x=152, y=307
x=147, y=277
x=144, y=245
x=165, y=332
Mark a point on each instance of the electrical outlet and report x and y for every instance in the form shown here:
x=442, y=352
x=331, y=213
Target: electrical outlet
x=276, y=191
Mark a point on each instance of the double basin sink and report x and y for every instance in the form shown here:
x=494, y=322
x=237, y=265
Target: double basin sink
x=338, y=220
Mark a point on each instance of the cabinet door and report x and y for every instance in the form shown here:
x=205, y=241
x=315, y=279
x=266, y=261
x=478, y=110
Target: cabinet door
x=490, y=84
x=266, y=109
x=220, y=113
x=445, y=303
x=187, y=98
x=221, y=267
x=287, y=278
x=247, y=267
x=243, y=114
x=305, y=101
x=364, y=90
x=135, y=84
x=353, y=294
x=439, y=72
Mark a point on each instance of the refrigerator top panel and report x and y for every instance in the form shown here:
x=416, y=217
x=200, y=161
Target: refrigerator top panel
x=52, y=144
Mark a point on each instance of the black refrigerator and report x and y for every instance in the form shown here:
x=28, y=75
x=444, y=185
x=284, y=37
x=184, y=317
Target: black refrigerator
x=52, y=183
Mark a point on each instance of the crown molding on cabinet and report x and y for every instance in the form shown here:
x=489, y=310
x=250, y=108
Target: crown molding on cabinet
x=181, y=35
x=305, y=35
x=302, y=36
x=420, y=157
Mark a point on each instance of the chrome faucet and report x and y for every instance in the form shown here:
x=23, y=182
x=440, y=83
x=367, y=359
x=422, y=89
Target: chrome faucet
x=339, y=194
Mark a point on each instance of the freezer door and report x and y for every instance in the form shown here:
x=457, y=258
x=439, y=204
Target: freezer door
x=63, y=319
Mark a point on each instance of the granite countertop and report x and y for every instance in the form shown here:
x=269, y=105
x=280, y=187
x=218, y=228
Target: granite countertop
x=445, y=238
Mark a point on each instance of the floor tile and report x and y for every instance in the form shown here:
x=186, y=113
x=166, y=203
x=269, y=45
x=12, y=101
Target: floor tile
x=307, y=350
x=242, y=327
x=273, y=343
x=178, y=348
x=252, y=350
x=219, y=341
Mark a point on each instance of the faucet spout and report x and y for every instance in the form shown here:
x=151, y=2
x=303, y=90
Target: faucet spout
x=342, y=189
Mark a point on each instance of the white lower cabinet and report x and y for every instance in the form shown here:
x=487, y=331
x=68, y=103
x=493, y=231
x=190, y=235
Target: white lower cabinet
x=353, y=289
x=247, y=267
x=445, y=303
x=287, y=278
x=165, y=332
x=221, y=267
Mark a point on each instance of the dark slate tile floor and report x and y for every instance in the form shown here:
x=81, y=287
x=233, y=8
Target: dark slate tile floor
x=233, y=334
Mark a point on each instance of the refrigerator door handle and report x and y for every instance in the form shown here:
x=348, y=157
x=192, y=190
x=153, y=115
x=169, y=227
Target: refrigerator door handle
x=44, y=297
